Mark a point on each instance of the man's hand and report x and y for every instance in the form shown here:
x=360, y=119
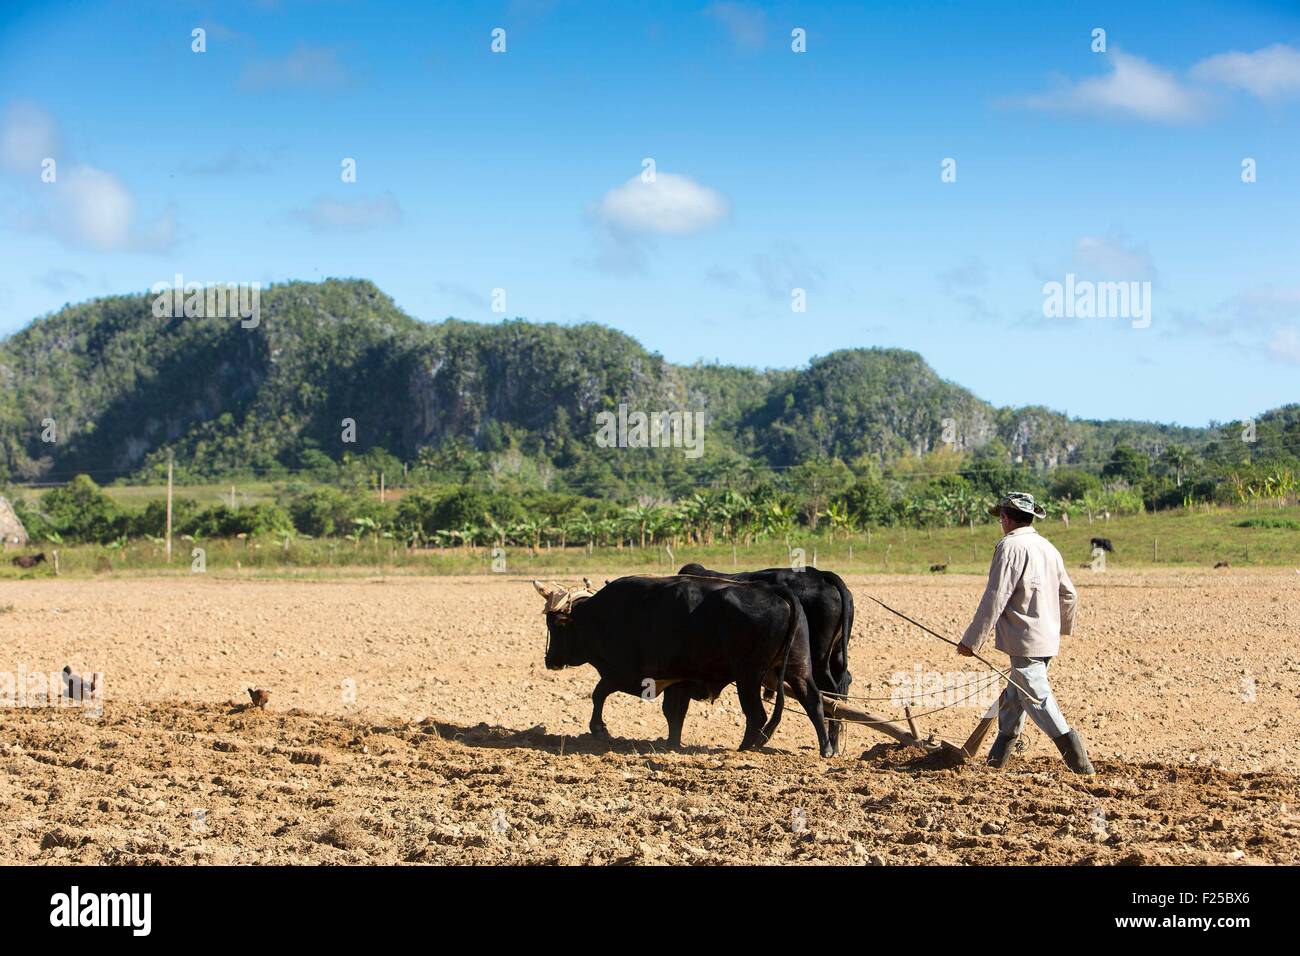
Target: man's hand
x=965, y=651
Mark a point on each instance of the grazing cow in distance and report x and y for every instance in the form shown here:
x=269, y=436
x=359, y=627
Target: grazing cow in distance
x=26, y=562
x=1221, y=564
x=938, y=568
x=1104, y=544
x=689, y=637
x=828, y=605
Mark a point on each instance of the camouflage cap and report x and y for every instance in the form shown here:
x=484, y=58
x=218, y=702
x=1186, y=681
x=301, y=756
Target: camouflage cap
x=1018, y=501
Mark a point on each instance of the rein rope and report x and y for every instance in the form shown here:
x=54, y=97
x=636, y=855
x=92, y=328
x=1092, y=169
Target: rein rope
x=947, y=640
x=988, y=682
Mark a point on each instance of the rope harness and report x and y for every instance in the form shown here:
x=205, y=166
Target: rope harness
x=947, y=640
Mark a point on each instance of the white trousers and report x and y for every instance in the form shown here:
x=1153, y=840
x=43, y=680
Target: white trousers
x=1030, y=673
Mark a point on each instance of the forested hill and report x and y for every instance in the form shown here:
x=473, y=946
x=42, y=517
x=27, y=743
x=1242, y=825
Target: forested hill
x=124, y=388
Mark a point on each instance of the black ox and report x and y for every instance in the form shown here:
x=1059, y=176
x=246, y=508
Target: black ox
x=689, y=637
x=829, y=607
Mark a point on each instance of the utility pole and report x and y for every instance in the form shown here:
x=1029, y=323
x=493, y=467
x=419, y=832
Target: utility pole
x=381, y=487
x=232, y=497
x=169, y=507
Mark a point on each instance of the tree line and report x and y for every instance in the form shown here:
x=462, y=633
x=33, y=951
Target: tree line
x=461, y=498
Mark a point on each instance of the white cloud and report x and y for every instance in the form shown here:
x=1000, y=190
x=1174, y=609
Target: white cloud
x=670, y=205
x=83, y=206
x=1133, y=88
x=96, y=208
x=93, y=209
x=349, y=215
x=28, y=136
x=747, y=25
x=1271, y=72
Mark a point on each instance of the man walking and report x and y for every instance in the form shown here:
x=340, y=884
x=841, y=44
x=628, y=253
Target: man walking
x=1030, y=603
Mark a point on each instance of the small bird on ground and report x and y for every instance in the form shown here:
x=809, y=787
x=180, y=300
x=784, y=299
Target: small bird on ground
x=259, y=697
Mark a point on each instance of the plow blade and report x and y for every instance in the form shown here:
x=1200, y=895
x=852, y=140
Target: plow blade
x=840, y=710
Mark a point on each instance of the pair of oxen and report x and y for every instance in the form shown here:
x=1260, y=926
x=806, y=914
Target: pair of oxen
x=687, y=636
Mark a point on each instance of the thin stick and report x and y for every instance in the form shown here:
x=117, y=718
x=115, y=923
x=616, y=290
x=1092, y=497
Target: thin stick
x=947, y=640
x=169, y=507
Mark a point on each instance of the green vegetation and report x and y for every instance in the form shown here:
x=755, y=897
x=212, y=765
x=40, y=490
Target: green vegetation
x=124, y=389
x=483, y=436
x=1198, y=538
x=1286, y=524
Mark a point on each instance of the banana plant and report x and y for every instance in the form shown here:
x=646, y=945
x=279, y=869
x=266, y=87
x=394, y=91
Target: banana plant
x=837, y=519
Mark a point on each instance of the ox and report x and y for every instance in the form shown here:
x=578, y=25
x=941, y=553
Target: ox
x=693, y=636
x=828, y=606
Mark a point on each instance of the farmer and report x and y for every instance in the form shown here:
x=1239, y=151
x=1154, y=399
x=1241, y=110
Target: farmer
x=1030, y=603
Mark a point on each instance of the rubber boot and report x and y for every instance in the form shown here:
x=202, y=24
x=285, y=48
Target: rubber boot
x=1076, y=755
x=1000, y=752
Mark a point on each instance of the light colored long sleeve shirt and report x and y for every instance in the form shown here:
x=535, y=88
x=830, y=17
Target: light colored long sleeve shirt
x=1029, y=601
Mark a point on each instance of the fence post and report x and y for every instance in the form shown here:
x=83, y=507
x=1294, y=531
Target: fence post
x=169, y=507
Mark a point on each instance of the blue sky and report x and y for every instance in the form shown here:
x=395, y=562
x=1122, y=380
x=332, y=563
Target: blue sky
x=774, y=170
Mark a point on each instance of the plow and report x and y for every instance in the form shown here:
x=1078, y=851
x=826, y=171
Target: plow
x=836, y=709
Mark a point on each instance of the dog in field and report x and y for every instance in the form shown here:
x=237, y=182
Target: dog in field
x=27, y=562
